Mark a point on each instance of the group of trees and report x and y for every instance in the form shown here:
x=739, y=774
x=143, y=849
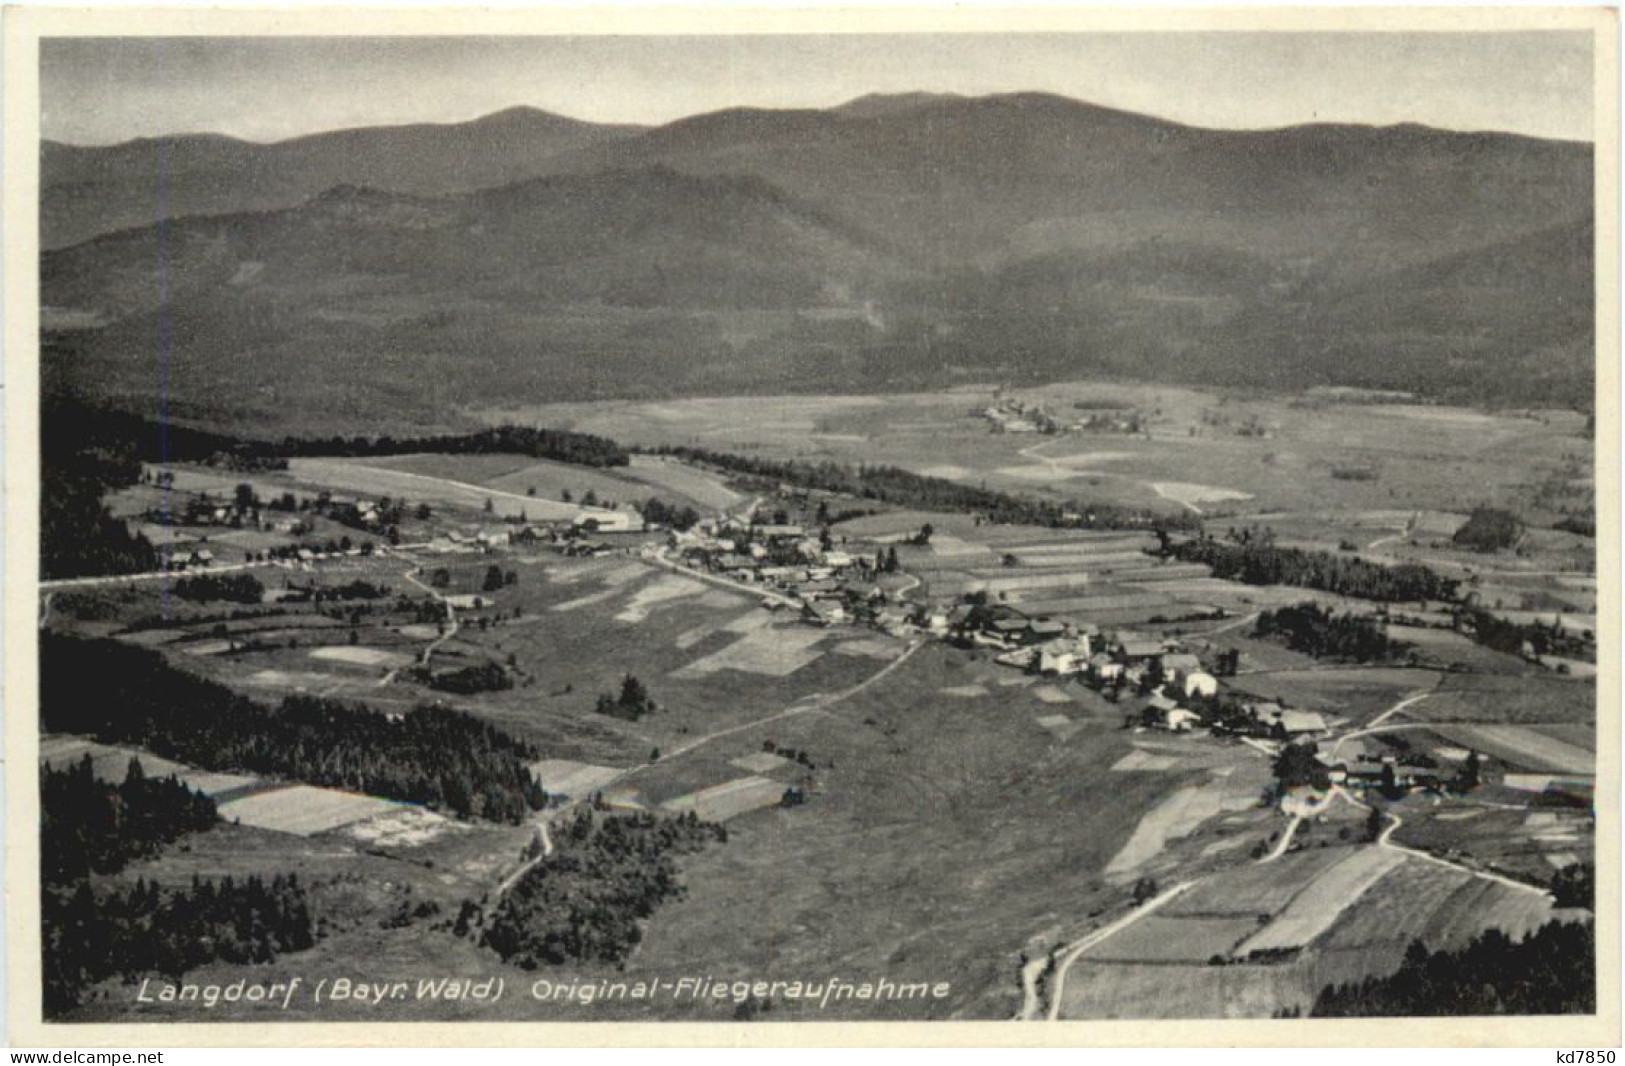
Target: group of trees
x=566, y=446
x=438, y=757
x=471, y=680
x=1257, y=563
x=631, y=704
x=89, y=936
x=659, y=512
x=584, y=901
x=1551, y=971
x=78, y=534
x=1489, y=529
x=1534, y=638
x=234, y=588
x=87, y=824
x=904, y=488
x=1316, y=631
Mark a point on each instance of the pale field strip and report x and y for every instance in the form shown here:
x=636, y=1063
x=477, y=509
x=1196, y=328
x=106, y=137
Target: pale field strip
x=1175, y=818
x=1060, y=726
x=873, y=648
x=1314, y=910
x=1142, y=761
x=1482, y=904
x=1051, y=694
x=770, y=651
x=690, y=637
x=760, y=762
x=1190, y=493
x=964, y=691
x=359, y=656
x=729, y=799
x=304, y=810
x=1256, y=888
x=1399, y=907
x=1521, y=746
x=662, y=591
x=1560, y=859
x=1085, y=604
x=206, y=647
x=1106, y=990
x=570, y=778
x=371, y=482
x=703, y=490
x=299, y=680
x=1160, y=938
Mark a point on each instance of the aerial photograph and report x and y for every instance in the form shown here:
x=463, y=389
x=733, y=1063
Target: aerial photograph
x=1002, y=527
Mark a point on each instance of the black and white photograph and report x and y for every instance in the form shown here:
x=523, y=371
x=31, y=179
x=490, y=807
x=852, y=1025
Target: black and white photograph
x=773, y=527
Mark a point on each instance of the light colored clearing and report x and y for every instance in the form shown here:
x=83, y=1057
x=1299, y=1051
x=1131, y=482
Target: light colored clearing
x=569, y=778
x=1136, y=761
x=289, y=679
x=761, y=762
x=408, y=827
x=1556, y=838
x=304, y=810
x=419, y=632
x=873, y=648
x=704, y=489
x=206, y=647
x=152, y=637
x=729, y=799
x=774, y=651
x=1540, y=820
x=749, y=622
x=1523, y=746
x=1560, y=859
x=1219, y=847
x=1316, y=908
x=1459, y=416
x=1457, y=816
x=1189, y=492
x=948, y=545
x=585, y=601
x=624, y=574
x=361, y=656
x=1034, y=472
x=690, y=637
x=667, y=588
x=1172, y=819
x=1051, y=694
x=212, y=784
x=964, y=691
x=721, y=600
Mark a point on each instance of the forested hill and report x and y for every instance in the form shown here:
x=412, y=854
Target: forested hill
x=882, y=246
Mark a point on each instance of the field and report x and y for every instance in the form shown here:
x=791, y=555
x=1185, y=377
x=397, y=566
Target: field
x=303, y=810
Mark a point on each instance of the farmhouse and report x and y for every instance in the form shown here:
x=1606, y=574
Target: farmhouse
x=1063, y=655
x=1199, y=684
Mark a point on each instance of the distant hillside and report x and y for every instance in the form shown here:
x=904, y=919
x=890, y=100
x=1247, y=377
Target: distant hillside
x=894, y=242
x=91, y=191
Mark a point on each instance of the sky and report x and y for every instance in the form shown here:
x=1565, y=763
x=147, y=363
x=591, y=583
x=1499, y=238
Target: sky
x=106, y=90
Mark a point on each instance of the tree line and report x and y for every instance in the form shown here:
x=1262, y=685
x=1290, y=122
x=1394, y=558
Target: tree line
x=1551, y=971
x=1316, y=631
x=1265, y=564
x=438, y=757
x=89, y=936
x=584, y=901
x=904, y=488
x=87, y=824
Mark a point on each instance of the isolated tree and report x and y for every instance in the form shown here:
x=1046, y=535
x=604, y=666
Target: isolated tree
x=493, y=579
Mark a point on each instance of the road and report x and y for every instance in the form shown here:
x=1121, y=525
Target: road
x=659, y=559
x=1058, y=994
x=452, y=624
x=1032, y=452
x=150, y=575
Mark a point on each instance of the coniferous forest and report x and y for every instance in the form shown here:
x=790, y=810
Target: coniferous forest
x=87, y=824
x=584, y=901
x=1551, y=971
x=437, y=757
x=1316, y=631
x=1266, y=564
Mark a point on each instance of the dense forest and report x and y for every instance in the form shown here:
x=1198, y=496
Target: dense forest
x=1266, y=564
x=89, y=936
x=1551, y=971
x=1489, y=529
x=441, y=758
x=78, y=536
x=584, y=901
x=905, y=488
x=234, y=588
x=1316, y=631
x=72, y=423
x=87, y=824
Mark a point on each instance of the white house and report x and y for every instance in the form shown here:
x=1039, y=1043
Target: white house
x=1199, y=684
